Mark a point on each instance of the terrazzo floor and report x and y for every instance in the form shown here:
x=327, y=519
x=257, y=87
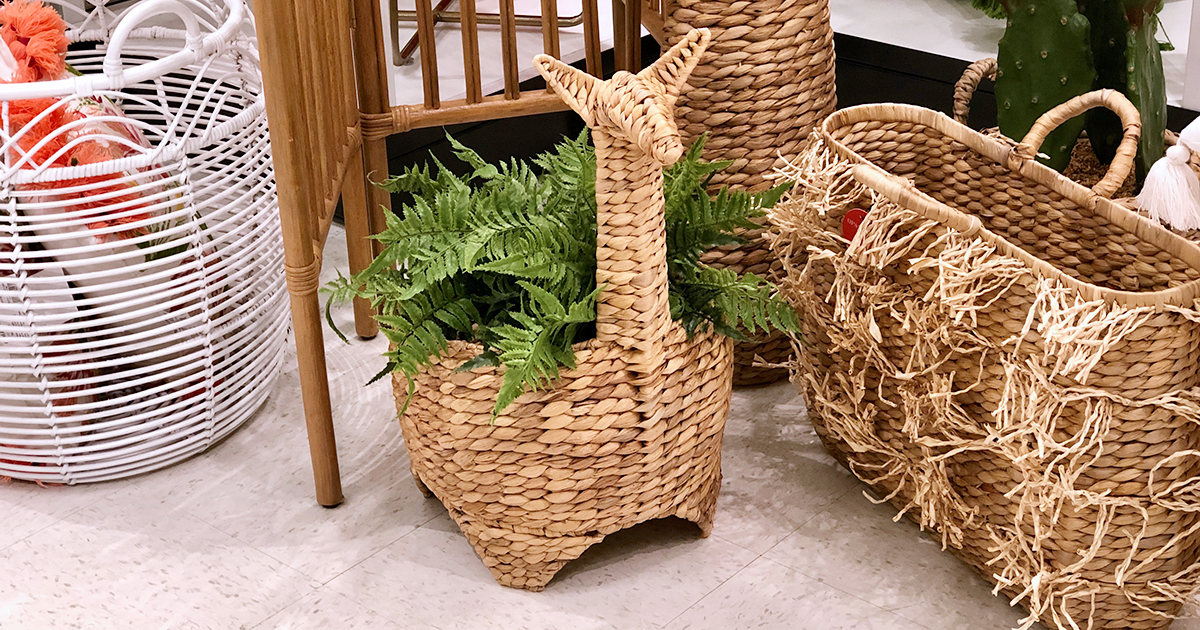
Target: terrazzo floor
x=234, y=539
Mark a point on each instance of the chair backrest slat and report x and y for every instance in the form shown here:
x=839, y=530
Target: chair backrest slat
x=429, y=70
x=508, y=44
x=591, y=37
x=470, y=39
x=550, y=44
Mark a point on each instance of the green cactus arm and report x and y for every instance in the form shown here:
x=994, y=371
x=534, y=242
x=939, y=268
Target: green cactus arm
x=1109, y=40
x=1146, y=87
x=1044, y=59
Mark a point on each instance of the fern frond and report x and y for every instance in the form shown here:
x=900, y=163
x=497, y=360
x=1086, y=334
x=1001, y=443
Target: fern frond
x=533, y=349
x=506, y=257
x=748, y=300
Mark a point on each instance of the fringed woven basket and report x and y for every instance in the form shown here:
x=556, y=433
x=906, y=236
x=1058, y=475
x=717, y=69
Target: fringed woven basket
x=633, y=433
x=1008, y=357
x=765, y=82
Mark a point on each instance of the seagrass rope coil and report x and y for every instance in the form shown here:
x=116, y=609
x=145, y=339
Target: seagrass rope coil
x=766, y=80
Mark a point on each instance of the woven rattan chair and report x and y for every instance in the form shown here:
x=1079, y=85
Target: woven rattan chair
x=325, y=74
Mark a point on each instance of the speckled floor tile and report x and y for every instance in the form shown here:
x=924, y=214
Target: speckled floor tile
x=26, y=508
x=131, y=564
x=258, y=486
x=769, y=596
x=639, y=578
x=856, y=547
x=777, y=475
x=325, y=610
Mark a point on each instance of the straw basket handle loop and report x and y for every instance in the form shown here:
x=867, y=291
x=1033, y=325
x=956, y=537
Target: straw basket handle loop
x=113, y=68
x=1131, y=121
x=635, y=136
x=964, y=90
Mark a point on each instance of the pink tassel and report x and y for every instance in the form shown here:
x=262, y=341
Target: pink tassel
x=1171, y=194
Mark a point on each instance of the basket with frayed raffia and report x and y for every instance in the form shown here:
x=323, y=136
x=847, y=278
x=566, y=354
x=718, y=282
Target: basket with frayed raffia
x=1005, y=355
x=633, y=432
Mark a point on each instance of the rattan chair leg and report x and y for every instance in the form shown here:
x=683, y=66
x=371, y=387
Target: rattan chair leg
x=314, y=388
x=355, y=204
x=372, y=79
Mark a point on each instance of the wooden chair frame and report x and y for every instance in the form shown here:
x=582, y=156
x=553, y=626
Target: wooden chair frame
x=325, y=74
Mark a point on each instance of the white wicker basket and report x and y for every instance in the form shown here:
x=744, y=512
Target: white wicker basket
x=120, y=353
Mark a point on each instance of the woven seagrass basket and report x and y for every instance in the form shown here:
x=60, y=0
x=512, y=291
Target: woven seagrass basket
x=1008, y=357
x=766, y=80
x=633, y=433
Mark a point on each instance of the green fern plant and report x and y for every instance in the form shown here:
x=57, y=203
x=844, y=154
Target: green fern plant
x=506, y=257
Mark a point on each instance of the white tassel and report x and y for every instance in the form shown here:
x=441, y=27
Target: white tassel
x=1171, y=193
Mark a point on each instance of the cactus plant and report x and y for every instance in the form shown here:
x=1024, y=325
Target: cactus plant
x=1053, y=50
x=1045, y=59
x=1145, y=85
x=1109, y=40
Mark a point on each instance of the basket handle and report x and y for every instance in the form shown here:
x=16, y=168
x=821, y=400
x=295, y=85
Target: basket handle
x=1131, y=122
x=134, y=18
x=964, y=90
x=633, y=123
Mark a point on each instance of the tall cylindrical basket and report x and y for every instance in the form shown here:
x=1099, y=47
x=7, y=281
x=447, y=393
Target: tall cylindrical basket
x=142, y=307
x=765, y=82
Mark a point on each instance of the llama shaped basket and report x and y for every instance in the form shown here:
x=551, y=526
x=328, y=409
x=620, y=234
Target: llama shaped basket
x=634, y=432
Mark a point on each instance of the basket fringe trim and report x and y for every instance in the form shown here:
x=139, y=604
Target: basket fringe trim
x=1046, y=364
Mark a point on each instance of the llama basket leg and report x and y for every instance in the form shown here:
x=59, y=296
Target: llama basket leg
x=522, y=560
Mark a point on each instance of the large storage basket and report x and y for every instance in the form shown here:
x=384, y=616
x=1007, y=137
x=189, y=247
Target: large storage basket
x=1007, y=356
x=766, y=80
x=634, y=432
x=137, y=329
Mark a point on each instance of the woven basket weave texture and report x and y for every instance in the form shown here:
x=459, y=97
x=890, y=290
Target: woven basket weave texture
x=634, y=432
x=766, y=80
x=1007, y=356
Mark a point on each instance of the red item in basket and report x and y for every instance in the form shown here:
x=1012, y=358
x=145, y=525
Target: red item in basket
x=851, y=221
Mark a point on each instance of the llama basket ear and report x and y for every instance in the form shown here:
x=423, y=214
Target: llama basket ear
x=576, y=88
x=668, y=75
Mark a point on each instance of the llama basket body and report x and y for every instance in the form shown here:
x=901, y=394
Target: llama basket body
x=1006, y=356
x=634, y=432
x=142, y=312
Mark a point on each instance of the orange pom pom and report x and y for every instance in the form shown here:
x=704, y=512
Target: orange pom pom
x=100, y=197
x=23, y=119
x=37, y=36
